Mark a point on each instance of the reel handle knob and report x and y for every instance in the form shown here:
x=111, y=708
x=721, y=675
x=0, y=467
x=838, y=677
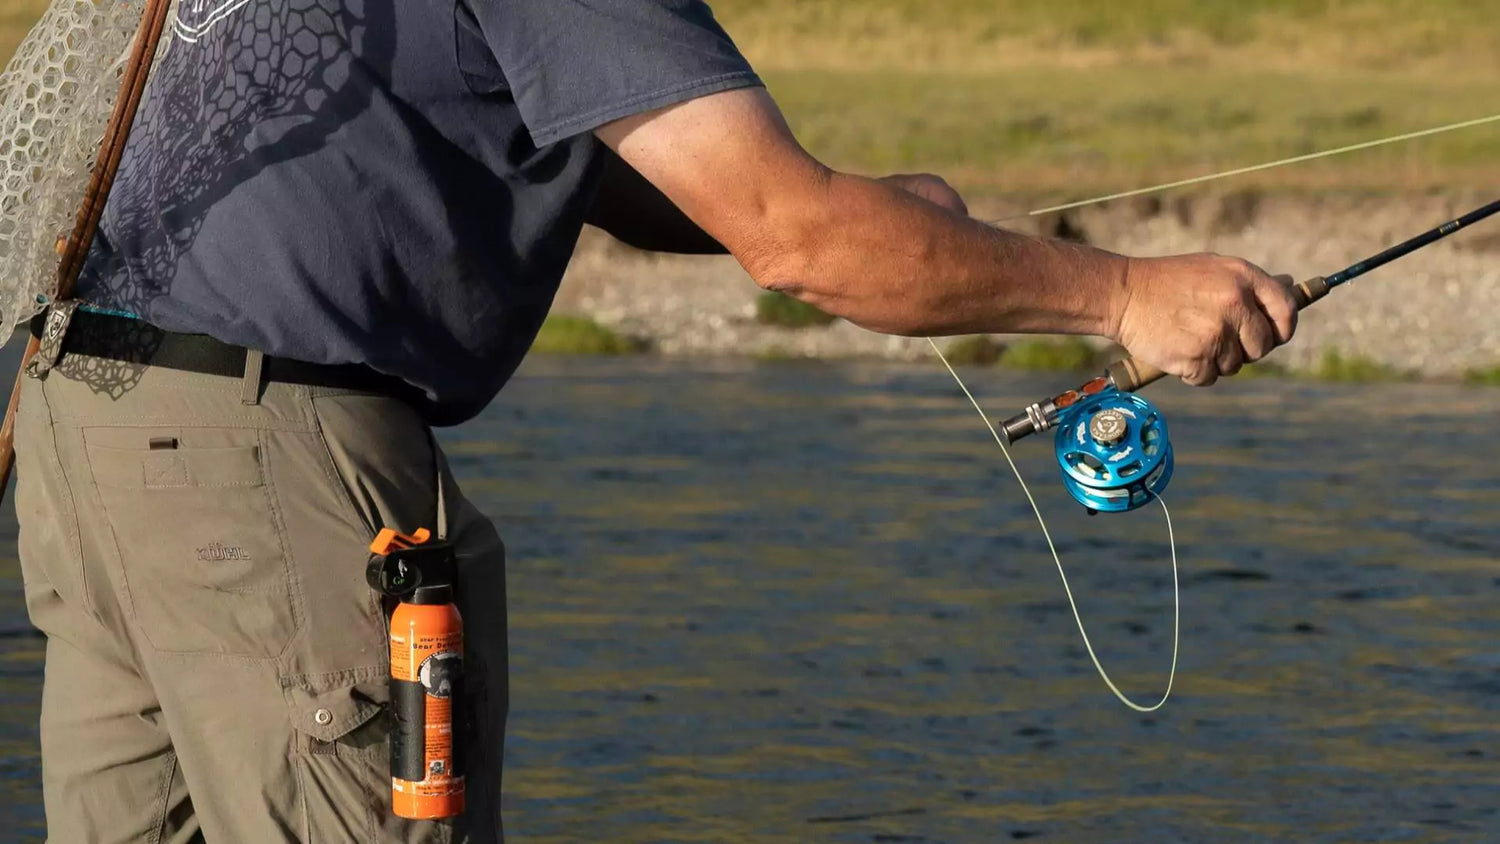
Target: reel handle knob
x=1130, y=374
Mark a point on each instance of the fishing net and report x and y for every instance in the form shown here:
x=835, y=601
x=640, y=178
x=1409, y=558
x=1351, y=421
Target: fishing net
x=56, y=96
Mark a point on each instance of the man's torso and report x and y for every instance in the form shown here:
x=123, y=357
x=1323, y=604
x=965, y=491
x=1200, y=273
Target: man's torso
x=342, y=182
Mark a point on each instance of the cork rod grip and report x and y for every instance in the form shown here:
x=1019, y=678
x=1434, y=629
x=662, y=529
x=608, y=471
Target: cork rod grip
x=1130, y=374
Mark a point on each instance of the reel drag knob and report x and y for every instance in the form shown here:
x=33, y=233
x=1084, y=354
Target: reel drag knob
x=1109, y=427
x=1113, y=451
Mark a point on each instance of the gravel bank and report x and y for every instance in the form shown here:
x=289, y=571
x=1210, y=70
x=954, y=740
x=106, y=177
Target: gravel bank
x=1433, y=313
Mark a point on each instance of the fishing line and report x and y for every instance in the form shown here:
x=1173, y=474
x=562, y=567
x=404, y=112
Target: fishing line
x=1255, y=168
x=1039, y=416
x=1171, y=538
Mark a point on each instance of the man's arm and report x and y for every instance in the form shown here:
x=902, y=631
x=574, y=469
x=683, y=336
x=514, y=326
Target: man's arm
x=896, y=258
x=636, y=212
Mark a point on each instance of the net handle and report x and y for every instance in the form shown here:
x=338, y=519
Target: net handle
x=76, y=248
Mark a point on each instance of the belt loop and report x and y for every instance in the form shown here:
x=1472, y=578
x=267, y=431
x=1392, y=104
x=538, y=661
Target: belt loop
x=250, y=387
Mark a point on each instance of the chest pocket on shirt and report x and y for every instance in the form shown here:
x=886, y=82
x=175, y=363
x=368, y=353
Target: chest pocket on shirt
x=201, y=546
x=476, y=61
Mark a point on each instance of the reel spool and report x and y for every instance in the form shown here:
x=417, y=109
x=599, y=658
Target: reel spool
x=1113, y=450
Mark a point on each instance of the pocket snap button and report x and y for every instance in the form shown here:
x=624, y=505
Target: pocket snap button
x=323, y=717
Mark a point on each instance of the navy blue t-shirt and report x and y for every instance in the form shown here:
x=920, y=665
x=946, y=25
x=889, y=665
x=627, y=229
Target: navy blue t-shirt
x=398, y=183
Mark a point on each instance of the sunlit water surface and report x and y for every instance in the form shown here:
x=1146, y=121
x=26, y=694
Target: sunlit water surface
x=801, y=602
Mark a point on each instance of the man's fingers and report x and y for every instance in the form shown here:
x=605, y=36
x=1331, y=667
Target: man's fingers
x=1257, y=335
x=1203, y=371
x=1231, y=359
x=1276, y=302
x=1203, y=376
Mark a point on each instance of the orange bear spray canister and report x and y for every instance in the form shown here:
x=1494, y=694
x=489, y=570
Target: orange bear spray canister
x=427, y=645
x=427, y=677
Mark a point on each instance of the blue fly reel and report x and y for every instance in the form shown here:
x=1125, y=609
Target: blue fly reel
x=1113, y=450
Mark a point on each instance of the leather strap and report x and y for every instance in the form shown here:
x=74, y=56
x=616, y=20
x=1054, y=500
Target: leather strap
x=132, y=88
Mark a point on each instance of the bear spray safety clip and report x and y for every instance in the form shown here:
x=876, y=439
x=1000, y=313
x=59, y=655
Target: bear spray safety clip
x=426, y=644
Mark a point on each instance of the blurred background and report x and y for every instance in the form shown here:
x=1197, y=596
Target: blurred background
x=771, y=581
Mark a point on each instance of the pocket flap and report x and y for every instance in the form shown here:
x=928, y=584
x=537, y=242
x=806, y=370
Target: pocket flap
x=126, y=468
x=330, y=706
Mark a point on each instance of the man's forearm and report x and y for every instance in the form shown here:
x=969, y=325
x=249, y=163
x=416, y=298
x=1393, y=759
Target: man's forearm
x=898, y=256
x=895, y=263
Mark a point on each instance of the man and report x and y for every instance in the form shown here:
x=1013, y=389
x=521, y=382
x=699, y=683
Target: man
x=342, y=221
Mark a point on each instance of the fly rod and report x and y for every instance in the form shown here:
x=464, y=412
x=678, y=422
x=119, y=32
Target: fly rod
x=1130, y=374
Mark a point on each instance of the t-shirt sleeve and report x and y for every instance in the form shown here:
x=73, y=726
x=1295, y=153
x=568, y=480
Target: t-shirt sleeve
x=575, y=65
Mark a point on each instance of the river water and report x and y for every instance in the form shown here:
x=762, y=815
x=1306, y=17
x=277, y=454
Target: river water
x=807, y=602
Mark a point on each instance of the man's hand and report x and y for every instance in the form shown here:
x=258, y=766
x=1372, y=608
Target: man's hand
x=1202, y=316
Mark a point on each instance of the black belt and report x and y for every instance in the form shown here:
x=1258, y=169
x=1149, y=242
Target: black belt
x=135, y=341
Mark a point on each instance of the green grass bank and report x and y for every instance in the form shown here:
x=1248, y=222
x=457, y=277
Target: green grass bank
x=1067, y=98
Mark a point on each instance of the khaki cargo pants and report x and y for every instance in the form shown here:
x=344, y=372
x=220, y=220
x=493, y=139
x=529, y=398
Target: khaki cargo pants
x=216, y=665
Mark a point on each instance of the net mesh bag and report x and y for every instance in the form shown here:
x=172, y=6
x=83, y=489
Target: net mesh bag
x=56, y=96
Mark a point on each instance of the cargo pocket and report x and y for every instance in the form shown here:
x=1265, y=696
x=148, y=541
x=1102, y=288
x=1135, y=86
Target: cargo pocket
x=342, y=732
x=201, y=547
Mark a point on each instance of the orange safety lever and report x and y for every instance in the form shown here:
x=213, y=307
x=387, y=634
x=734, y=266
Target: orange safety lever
x=389, y=541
